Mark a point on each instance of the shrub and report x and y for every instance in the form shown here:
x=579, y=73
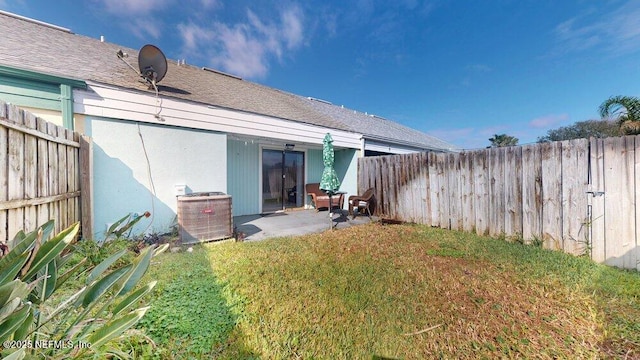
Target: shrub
x=35, y=320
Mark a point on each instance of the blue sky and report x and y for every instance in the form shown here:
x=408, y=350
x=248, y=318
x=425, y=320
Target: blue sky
x=459, y=70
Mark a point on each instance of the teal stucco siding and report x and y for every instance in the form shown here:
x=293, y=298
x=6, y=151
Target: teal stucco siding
x=243, y=176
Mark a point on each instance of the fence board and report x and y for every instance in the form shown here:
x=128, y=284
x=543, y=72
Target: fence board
x=619, y=193
x=54, y=208
x=453, y=191
x=420, y=203
x=428, y=211
x=43, y=172
x=30, y=173
x=392, y=183
x=552, y=195
x=15, y=217
x=405, y=209
x=86, y=186
x=467, y=181
x=434, y=189
x=62, y=179
x=513, y=192
x=4, y=164
x=443, y=186
x=496, y=192
x=531, y=193
x=629, y=205
x=481, y=192
x=410, y=189
x=596, y=201
x=574, y=196
x=634, y=261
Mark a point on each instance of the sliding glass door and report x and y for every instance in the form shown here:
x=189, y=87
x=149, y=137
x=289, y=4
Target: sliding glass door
x=282, y=179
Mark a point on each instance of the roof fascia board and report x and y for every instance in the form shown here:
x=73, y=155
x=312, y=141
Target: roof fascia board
x=46, y=78
x=392, y=148
x=380, y=141
x=111, y=102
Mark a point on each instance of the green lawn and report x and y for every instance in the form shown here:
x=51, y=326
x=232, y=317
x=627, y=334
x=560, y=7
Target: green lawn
x=390, y=291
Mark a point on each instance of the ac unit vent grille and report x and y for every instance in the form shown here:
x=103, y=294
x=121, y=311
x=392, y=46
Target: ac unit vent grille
x=204, y=217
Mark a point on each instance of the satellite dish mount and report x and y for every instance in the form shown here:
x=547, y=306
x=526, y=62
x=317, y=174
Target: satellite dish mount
x=152, y=64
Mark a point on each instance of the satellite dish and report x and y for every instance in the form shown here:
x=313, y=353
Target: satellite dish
x=152, y=64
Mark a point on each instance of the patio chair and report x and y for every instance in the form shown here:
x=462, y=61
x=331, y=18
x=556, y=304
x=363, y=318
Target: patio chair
x=362, y=203
x=321, y=199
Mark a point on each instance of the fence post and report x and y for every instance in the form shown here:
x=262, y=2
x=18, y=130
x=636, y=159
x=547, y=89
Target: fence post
x=86, y=186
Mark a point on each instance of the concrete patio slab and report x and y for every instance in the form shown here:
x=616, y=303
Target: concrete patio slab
x=293, y=223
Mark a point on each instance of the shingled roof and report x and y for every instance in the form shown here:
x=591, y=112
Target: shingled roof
x=34, y=46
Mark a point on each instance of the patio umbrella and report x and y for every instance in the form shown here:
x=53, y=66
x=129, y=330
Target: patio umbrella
x=329, y=182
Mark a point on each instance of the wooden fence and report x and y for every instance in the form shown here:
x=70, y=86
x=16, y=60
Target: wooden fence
x=44, y=172
x=579, y=196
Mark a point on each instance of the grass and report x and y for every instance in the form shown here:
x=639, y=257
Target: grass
x=391, y=291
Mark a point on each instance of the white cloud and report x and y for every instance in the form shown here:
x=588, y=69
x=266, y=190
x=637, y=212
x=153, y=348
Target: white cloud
x=615, y=32
x=210, y=4
x=143, y=28
x=139, y=15
x=241, y=53
x=548, y=121
x=292, y=27
x=245, y=49
x=133, y=7
x=193, y=34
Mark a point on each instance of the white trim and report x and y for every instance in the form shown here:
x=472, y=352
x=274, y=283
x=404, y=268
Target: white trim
x=107, y=101
x=390, y=148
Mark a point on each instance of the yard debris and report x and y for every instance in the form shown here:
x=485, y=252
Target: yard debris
x=423, y=330
x=386, y=221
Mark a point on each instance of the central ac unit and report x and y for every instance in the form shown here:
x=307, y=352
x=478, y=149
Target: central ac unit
x=204, y=217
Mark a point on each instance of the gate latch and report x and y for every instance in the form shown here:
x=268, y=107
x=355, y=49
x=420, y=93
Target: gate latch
x=596, y=193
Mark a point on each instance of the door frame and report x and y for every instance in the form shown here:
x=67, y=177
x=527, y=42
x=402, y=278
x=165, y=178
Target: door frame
x=297, y=148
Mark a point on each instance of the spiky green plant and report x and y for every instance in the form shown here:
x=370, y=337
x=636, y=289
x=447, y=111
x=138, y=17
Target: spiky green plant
x=35, y=321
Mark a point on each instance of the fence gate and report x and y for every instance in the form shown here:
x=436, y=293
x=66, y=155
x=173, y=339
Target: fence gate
x=42, y=175
x=613, y=197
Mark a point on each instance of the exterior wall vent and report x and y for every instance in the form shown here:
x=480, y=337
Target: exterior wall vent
x=204, y=217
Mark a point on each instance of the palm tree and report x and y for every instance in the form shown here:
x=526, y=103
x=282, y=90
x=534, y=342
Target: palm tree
x=503, y=140
x=626, y=110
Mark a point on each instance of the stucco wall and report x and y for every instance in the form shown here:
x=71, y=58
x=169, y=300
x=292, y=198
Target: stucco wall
x=346, y=165
x=197, y=159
